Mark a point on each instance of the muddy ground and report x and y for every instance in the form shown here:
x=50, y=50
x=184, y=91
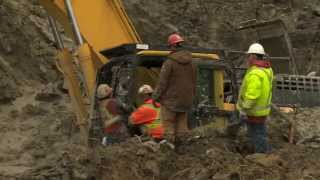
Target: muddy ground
x=210, y=156
x=39, y=140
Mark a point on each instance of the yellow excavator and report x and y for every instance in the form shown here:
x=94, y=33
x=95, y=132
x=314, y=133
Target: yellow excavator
x=109, y=50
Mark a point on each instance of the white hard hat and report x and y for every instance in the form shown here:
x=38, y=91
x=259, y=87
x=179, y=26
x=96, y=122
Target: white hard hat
x=104, y=90
x=145, y=89
x=256, y=48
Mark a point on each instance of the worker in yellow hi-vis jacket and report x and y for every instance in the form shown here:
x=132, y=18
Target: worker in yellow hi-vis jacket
x=254, y=102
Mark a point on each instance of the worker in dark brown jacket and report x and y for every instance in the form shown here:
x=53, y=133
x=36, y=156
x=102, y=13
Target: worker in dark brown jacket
x=175, y=90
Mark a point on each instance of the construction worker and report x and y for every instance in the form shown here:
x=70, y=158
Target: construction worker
x=175, y=90
x=115, y=128
x=147, y=116
x=254, y=102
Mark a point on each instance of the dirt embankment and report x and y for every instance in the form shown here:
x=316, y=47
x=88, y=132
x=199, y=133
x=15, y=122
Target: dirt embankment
x=26, y=52
x=35, y=117
x=213, y=23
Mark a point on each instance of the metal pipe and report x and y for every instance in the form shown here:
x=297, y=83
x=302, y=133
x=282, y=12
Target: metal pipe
x=74, y=23
x=280, y=58
x=56, y=34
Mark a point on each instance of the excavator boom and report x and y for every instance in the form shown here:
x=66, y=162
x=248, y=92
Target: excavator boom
x=103, y=23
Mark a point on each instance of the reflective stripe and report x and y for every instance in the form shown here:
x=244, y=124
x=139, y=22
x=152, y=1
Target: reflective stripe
x=155, y=124
x=260, y=108
x=256, y=107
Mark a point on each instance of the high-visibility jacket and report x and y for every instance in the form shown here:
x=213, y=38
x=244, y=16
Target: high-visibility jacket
x=256, y=92
x=148, y=117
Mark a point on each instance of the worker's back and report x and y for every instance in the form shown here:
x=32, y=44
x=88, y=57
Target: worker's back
x=180, y=85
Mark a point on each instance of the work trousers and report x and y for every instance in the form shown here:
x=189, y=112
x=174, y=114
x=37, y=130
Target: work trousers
x=257, y=134
x=174, y=123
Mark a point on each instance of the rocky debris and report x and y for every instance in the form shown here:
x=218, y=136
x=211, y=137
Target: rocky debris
x=48, y=93
x=33, y=110
x=306, y=122
x=9, y=90
x=265, y=160
x=212, y=161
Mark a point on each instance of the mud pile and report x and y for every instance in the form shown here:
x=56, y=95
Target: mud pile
x=210, y=157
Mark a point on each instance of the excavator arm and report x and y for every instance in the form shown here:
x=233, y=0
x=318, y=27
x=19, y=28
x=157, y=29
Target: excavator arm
x=94, y=26
x=103, y=24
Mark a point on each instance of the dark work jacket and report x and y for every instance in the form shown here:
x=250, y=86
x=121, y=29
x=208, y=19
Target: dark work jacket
x=177, y=83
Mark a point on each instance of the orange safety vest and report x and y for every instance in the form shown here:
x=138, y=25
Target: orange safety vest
x=148, y=117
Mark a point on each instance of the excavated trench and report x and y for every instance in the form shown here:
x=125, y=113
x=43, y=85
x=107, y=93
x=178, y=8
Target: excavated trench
x=40, y=141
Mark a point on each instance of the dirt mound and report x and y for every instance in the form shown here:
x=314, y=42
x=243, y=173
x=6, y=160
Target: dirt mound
x=207, y=158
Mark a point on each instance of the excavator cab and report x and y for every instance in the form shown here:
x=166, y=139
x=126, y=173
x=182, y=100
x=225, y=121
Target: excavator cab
x=132, y=65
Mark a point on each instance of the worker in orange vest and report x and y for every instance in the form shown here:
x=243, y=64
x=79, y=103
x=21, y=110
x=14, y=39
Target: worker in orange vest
x=147, y=116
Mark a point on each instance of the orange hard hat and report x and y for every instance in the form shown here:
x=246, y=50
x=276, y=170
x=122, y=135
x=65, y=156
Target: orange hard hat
x=174, y=39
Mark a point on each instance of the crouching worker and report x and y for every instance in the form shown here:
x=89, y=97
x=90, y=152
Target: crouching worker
x=146, y=117
x=114, y=123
